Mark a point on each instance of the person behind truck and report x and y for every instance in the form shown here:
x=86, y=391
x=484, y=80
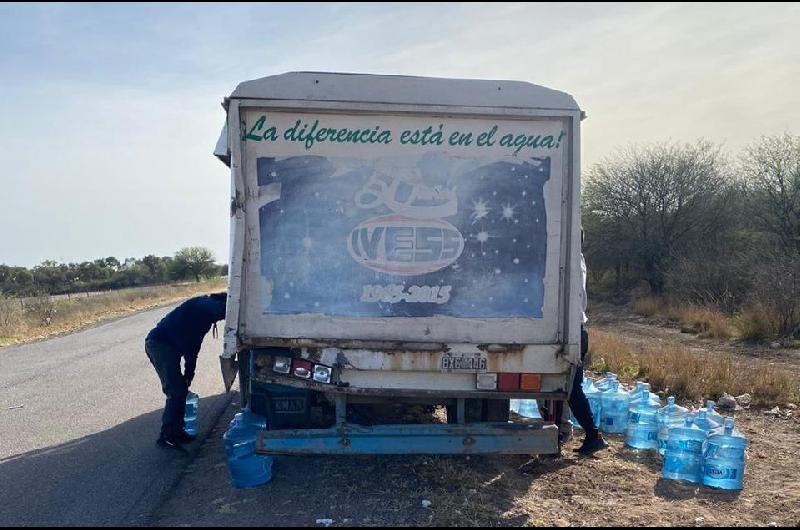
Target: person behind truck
x=177, y=336
x=577, y=399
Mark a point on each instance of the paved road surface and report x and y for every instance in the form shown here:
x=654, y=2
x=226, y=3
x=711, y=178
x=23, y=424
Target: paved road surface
x=79, y=416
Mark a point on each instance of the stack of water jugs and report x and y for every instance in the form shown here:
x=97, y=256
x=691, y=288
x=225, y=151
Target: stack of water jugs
x=698, y=446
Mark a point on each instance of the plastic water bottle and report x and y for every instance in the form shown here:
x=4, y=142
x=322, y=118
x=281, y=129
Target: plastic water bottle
x=527, y=408
x=248, y=469
x=604, y=384
x=683, y=459
x=716, y=419
x=190, y=416
x=701, y=420
x=672, y=415
x=614, y=410
x=724, y=458
x=642, y=431
x=637, y=389
x=642, y=391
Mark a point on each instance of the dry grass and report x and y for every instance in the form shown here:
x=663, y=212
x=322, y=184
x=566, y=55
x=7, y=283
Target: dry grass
x=692, y=374
x=649, y=306
x=757, y=323
x=45, y=317
x=706, y=321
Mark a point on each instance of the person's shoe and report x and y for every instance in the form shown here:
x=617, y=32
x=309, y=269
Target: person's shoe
x=591, y=445
x=168, y=443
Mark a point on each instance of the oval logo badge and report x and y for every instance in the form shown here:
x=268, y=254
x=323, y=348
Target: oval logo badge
x=403, y=246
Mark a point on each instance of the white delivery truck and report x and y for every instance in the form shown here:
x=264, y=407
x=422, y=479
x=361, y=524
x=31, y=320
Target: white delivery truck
x=402, y=240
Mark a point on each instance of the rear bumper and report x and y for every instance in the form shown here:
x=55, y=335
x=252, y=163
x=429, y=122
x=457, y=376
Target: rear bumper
x=437, y=439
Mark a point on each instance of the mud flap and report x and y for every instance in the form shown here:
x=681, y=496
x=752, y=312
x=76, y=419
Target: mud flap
x=229, y=368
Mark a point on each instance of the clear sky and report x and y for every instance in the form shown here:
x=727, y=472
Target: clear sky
x=110, y=112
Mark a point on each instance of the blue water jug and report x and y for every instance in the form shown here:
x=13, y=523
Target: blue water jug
x=701, y=420
x=683, y=459
x=637, y=389
x=716, y=419
x=248, y=469
x=604, y=384
x=614, y=410
x=642, y=430
x=671, y=416
x=642, y=391
x=724, y=458
x=527, y=408
x=190, y=415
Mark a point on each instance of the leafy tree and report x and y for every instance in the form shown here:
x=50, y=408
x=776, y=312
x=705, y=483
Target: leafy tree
x=194, y=262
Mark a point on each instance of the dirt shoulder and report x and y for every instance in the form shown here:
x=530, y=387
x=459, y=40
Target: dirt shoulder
x=649, y=331
x=618, y=487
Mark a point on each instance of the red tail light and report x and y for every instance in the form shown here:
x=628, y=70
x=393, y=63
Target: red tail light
x=302, y=369
x=507, y=382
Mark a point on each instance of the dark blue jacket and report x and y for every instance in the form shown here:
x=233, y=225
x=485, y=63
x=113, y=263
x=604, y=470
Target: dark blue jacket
x=185, y=327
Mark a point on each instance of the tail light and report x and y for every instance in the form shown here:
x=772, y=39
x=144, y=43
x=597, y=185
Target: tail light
x=302, y=369
x=526, y=382
x=282, y=365
x=506, y=382
x=322, y=374
x=532, y=382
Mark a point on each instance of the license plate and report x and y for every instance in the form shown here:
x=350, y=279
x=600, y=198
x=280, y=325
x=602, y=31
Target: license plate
x=464, y=362
x=288, y=405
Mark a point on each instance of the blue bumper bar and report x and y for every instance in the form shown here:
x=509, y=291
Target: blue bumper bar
x=468, y=439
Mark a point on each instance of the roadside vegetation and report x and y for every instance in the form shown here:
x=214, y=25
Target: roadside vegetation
x=105, y=274
x=692, y=374
x=709, y=242
x=54, y=298
x=706, y=240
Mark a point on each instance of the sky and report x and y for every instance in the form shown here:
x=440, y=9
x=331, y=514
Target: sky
x=110, y=113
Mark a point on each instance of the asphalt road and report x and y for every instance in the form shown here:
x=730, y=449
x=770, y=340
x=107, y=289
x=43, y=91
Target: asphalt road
x=79, y=416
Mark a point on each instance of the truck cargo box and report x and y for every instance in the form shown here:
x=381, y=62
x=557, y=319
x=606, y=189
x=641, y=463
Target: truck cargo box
x=404, y=236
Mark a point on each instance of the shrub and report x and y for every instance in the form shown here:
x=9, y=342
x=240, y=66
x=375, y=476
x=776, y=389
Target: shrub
x=691, y=374
x=10, y=315
x=42, y=309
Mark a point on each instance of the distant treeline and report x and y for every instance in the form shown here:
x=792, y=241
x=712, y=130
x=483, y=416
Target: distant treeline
x=50, y=277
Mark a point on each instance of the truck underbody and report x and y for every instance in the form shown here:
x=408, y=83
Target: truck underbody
x=306, y=417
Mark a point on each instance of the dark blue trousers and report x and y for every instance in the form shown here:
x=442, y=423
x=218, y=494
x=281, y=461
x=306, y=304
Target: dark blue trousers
x=167, y=362
x=577, y=399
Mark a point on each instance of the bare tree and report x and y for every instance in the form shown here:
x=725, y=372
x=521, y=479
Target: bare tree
x=771, y=169
x=654, y=202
